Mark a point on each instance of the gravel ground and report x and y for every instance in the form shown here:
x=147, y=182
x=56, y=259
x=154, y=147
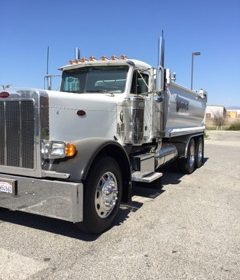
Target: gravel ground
x=189, y=229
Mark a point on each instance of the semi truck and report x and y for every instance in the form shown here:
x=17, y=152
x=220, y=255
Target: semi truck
x=74, y=153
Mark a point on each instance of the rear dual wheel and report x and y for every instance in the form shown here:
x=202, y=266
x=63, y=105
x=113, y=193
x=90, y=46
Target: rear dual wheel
x=199, y=155
x=187, y=165
x=195, y=156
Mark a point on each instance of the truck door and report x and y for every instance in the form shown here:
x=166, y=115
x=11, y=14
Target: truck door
x=141, y=86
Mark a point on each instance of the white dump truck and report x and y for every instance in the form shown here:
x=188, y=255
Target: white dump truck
x=73, y=154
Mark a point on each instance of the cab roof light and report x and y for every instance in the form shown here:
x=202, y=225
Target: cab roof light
x=104, y=58
x=92, y=58
x=123, y=57
x=84, y=59
x=113, y=57
x=74, y=61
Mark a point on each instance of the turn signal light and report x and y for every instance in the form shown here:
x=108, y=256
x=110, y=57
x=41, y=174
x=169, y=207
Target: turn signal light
x=70, y=150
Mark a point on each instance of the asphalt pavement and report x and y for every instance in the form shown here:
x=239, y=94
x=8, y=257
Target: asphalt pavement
x=188, y=229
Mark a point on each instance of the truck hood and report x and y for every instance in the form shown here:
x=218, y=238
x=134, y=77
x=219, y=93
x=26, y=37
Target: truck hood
x=76, y=116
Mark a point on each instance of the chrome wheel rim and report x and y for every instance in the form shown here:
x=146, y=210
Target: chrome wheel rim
x=200, y=152
x=192, y=155
x=106, y=195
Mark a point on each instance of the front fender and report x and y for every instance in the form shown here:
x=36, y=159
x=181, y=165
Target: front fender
x=87, y=152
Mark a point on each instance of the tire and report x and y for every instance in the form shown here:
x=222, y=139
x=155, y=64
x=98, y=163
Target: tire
x=199, y=153
x=102, y=196
x=187, y=165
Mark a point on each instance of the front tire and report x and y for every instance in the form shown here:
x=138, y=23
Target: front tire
x=102, y=196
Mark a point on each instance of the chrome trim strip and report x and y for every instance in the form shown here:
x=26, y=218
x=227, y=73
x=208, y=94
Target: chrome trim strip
x=20, y=138
x=23, y=95
x=44, y=115
x=184, y=131
x=54, y=174
x=5, y=134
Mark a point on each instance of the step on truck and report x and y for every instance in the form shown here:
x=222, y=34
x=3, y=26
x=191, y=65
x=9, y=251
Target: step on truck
x=73, y=154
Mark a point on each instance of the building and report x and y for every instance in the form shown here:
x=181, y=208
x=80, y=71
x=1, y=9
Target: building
x=215, y=111
x=233, y=115
x=218, y=115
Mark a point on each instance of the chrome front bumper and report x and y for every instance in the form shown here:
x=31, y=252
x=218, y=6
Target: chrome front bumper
x=50, y=198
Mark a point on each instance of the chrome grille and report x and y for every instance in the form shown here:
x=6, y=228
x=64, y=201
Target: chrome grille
x=17, y=133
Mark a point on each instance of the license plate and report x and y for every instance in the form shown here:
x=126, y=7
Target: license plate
x=6, y=186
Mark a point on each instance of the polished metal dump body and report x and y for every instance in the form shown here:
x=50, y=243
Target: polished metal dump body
x=184, y=111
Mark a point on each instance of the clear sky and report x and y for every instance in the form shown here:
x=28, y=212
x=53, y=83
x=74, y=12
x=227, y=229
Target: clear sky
x=132, y=27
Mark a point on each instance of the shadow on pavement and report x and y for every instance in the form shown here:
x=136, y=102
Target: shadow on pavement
x=170, y=176
x=46, y=224
x=68, y=229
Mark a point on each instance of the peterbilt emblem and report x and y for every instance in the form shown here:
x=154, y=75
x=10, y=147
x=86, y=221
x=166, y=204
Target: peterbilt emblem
x=182, y=105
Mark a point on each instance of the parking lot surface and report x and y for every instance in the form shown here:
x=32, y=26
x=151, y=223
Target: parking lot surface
x=189, y=229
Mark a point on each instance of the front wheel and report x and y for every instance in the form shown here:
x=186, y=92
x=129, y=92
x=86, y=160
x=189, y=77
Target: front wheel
x=102, y=196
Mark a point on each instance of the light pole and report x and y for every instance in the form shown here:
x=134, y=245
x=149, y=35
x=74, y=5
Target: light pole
x=193, y=54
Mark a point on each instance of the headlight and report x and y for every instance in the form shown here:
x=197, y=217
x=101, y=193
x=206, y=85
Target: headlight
x=57, y=149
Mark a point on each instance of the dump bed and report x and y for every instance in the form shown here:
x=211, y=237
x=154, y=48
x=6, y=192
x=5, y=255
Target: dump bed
x=185, y=110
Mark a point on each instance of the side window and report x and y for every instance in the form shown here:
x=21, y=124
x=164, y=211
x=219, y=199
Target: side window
x=71, y=84
x=139, y=83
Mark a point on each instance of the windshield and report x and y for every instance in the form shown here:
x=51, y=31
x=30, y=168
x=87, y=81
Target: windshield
x=95, y=79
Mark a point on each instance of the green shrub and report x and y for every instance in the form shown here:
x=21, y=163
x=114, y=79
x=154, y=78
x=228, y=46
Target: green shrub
x=234, y=126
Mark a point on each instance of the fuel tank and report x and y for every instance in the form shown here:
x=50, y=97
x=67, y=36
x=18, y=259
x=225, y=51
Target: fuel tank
x=184, y=110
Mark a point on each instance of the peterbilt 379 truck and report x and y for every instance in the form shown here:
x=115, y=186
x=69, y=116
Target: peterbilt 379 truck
x=73, y=154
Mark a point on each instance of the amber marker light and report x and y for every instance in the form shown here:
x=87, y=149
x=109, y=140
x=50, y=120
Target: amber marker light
x=70, y=150
x=84, y=59
x=92, y=58
x=123, y=57
x=104, y=58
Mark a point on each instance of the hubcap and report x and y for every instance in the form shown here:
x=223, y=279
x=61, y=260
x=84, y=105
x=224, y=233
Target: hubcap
x=106, y=195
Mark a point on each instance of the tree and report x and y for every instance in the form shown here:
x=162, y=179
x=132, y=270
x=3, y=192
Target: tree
x=219, y=120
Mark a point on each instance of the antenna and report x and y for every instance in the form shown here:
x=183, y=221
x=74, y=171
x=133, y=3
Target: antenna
x=47, y=59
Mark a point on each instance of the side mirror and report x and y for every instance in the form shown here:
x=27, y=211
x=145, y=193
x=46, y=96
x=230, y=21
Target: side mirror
x=159, y=79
